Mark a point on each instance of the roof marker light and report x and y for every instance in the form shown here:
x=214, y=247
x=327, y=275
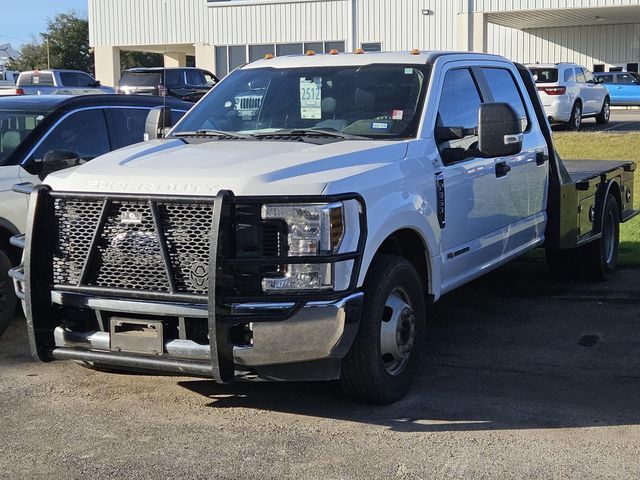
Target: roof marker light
x=333, y=52
x=268, y=56
x=358, y=51
x=310, y=53
x=415, y=51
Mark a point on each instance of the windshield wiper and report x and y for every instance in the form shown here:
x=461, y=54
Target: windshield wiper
x=303, y=132
x=206, y=132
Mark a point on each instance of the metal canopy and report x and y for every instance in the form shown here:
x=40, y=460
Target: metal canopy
x=565, y=17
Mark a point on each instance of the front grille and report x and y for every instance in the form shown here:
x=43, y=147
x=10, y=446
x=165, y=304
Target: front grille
x=159, y=245
x=129, y=252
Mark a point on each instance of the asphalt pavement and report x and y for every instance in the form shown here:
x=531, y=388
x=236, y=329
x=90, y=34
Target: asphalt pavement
x=620, y=121
x=524, y=377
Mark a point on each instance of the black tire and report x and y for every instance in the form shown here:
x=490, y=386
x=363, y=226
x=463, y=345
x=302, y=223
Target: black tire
x=563, y=264
x=8, y=299
x=598, y=259
x=575, y=121
x=603, y=117
x=367, y=375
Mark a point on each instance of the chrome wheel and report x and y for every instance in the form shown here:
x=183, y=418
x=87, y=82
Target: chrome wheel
x=398, y=331
x=577, y=121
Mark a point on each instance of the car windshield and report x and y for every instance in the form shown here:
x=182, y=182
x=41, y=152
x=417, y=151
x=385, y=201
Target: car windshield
x=545, y=75
x=375, y=101
x=14, y=127
x=141, y=79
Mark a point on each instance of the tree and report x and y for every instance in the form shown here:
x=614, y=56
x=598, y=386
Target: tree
x=33, y=55
x=130, y=59
x=68, y=38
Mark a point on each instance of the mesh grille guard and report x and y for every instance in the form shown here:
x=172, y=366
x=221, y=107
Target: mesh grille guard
x=179, y=249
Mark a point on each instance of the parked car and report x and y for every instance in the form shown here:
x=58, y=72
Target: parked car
x=570, y=93
x=56, y=82
x=31, y=126
x=8, y=78
x=304, y=241
x=189, y=84
x=623, y=87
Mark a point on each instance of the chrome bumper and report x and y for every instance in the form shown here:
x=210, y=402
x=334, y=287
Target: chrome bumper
x=319, y=331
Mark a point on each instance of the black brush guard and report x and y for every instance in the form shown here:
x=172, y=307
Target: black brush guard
x=37, y=274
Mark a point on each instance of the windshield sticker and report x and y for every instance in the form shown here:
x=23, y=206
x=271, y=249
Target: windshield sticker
x=408, y=71
x=311, y=98
x=397, y=115
x=379, y=125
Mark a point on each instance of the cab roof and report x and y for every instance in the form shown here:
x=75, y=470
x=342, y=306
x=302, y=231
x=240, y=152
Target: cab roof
x=366, y=58
x=48, y=103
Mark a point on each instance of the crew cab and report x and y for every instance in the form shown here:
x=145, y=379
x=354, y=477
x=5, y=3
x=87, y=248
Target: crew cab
x=302, y=238
x=65, y=131
x=56, y=82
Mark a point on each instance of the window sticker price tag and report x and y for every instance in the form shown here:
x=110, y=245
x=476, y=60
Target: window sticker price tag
x=311, y=98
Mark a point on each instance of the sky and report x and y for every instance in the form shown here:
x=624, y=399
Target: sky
x=22, y=19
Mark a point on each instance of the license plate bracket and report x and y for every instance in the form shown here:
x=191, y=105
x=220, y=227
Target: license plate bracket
x=136, y=336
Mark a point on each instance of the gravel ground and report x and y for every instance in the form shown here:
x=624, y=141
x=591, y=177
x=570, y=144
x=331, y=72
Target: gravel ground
x=523, y=378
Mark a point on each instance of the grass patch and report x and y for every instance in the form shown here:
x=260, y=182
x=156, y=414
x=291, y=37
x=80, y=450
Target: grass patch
x=609, y=146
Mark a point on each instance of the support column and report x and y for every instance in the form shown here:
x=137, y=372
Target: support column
x=175, y=59
x=107, y=61
x=471, y=32
x=206, y=57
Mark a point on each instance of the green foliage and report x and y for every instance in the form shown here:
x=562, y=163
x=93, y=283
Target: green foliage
x=67, y=36
x=140, y=59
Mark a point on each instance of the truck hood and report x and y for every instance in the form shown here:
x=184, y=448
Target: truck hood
x=175, y=166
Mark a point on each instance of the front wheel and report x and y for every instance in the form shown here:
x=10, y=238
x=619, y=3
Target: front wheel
x=603, y=117
x=383, y=359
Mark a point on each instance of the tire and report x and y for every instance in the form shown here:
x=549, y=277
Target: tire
x=598, y=259
x=603, y=117
x=575, y=120
x=8, y=299
x=563, y=264
x=383, y=359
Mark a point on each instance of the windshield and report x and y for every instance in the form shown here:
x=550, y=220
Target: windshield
x=14, y=127
x=373, y=101
x=545, y=75
x=141, y=79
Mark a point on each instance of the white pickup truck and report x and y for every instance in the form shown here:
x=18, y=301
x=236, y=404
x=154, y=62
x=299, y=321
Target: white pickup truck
x=295, y=223
x=55, y=82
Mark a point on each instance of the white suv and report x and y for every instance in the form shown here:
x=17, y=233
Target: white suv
x=569, y=93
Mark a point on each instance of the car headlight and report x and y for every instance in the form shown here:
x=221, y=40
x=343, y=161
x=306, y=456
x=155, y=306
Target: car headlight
x=316, y=230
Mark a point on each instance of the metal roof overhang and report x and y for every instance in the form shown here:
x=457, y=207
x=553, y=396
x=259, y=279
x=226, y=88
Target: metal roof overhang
x=565, y=17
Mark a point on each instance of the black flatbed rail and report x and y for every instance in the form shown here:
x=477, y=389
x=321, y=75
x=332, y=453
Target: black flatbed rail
x=581, y=170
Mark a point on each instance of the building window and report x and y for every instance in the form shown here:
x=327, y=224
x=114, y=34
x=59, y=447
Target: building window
x=231, y=57
x=256, y=52
x=372, y=47
x=289, y=49
x=632, y=67
x=599, y=67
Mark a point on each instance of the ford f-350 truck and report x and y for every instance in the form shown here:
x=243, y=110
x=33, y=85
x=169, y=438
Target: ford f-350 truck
x=301, y=237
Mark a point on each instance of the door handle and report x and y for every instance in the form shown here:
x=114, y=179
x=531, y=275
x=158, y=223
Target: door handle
x=502, y=169
x=541, y=158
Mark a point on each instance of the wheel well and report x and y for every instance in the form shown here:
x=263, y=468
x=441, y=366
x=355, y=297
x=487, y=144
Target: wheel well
x=614, y=190
x=12, y=252
x=407, y=243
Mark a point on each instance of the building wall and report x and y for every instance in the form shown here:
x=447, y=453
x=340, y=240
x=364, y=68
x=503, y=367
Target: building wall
x=588, y=45
x=501, y=5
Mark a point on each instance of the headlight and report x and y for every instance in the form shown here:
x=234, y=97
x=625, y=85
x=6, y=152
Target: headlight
x=317, y=229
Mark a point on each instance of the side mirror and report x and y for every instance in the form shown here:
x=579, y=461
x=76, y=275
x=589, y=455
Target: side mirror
x=55, y=160
x=499, y=130
x=97, y=83
x=158, y=119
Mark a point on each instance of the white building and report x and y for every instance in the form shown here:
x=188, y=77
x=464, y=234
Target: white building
x=222, y=34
